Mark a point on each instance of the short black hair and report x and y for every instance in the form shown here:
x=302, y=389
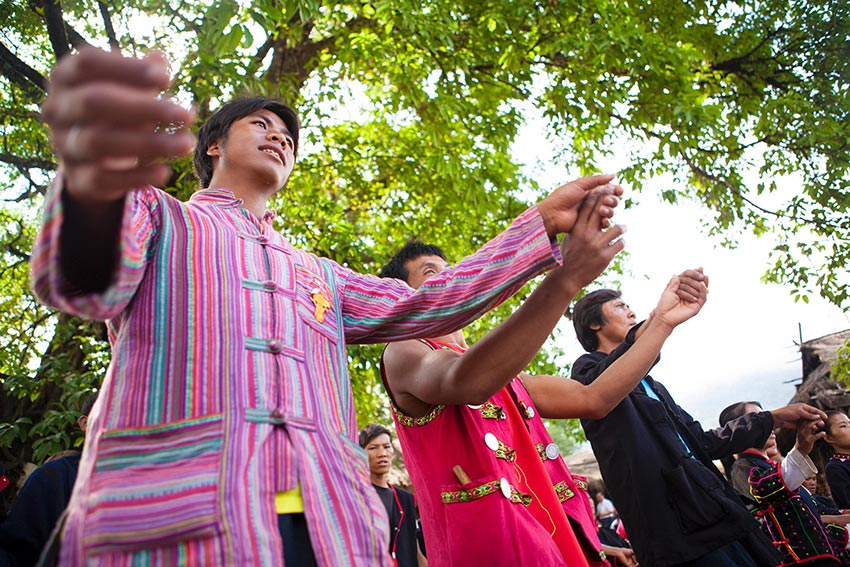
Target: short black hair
x=735, y=411
x=217, y=126
x=396, y=268
x=827, y=426
x=588, y=313
x=370, y=432
x=88, y=403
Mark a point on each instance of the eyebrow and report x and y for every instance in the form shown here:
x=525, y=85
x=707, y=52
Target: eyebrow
x=270, y=124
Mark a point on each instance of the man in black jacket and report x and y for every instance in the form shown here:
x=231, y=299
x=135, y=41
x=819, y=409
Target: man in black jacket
x=656, y=460
x=406, y=541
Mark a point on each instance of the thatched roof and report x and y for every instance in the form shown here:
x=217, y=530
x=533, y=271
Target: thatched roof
x=818, y=356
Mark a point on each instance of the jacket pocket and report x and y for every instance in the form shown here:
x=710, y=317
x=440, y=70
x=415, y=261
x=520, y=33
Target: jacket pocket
x=155, y=486
x=696, y=495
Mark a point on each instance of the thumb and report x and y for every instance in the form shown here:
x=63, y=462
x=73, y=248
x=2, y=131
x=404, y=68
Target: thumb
x=592, y=181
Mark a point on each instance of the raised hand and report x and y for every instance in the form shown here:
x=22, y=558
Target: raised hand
x=683, y=298
x=560, y=208
x=588, y=249
x=110, y=126
x=787, y=417
x=808, y=432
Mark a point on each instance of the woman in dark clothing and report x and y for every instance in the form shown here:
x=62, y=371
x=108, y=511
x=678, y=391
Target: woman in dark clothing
x=771, y=490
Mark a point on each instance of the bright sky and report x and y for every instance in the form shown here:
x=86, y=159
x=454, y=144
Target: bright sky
x=743, y=344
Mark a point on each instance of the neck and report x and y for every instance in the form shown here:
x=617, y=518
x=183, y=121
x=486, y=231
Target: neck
x=606, y=345
x=380, y=480
x=255, y=198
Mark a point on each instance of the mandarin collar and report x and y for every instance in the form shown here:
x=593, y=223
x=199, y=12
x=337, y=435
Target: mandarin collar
x=226, y=199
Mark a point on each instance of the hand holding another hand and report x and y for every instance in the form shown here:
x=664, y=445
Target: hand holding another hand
x=560, y=208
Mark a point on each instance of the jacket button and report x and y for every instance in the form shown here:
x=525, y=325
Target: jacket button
x=275, y=347
x=505, y=486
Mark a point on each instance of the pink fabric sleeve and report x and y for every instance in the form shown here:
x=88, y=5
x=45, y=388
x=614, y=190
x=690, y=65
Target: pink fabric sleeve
x=137, y=235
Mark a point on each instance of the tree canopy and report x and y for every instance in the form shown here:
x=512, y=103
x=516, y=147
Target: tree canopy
x=410, y=113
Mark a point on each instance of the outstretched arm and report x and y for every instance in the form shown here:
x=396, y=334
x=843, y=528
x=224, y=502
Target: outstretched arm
x=557, y=397
x=109, y=127
x=420, y=377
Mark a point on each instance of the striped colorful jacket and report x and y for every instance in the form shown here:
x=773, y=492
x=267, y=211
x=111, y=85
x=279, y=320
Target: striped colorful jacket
x=228, y=381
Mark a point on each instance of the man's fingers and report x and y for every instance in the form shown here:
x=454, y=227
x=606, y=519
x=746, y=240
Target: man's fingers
x=592, y=181
x=114, y=184
x=616, y=247
x=91, y=64
x=80, y=144
x=114, y=104
x=691, y=291
x=587, y=208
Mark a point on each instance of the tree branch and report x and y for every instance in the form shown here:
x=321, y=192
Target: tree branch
x=56, y=28
x=21, y=74
x=107, y=24
x=27, y=163
x=706, y=176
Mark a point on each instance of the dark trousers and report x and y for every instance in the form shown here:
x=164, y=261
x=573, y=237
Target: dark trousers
x=297, y=549
x=730, y=555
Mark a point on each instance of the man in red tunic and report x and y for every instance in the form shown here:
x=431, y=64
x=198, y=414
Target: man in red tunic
x=492, y=487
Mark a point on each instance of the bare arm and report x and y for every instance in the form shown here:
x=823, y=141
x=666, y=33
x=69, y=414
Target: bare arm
x=420, y=377
x=557, y=397
x=106, y=122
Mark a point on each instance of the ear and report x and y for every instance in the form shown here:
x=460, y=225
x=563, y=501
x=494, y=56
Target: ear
x=214, y=149
x=83, y=422
x=595, y=327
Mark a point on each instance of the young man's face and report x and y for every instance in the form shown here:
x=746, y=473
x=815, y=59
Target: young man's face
x=260, y=143
x=380, y=451
x=618, y=320
x=424, y=267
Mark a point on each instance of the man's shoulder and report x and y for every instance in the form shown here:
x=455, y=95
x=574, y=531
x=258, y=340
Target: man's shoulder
x=403, y=350
x=584, y=362
x=406, y=498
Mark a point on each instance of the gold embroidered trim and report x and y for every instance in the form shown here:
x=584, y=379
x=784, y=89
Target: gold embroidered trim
x=457, y=496
x=541, y=450
x=563, y=491
x=408, y=421
x=504, y=452
x=491, y=411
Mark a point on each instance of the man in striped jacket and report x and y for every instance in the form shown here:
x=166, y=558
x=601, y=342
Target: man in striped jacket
x=224, y=430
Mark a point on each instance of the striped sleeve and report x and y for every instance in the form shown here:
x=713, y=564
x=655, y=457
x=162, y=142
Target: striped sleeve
x=136, y=238
x=378, y=310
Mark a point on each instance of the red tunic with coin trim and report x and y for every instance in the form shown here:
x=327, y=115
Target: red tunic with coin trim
x=517, y=505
